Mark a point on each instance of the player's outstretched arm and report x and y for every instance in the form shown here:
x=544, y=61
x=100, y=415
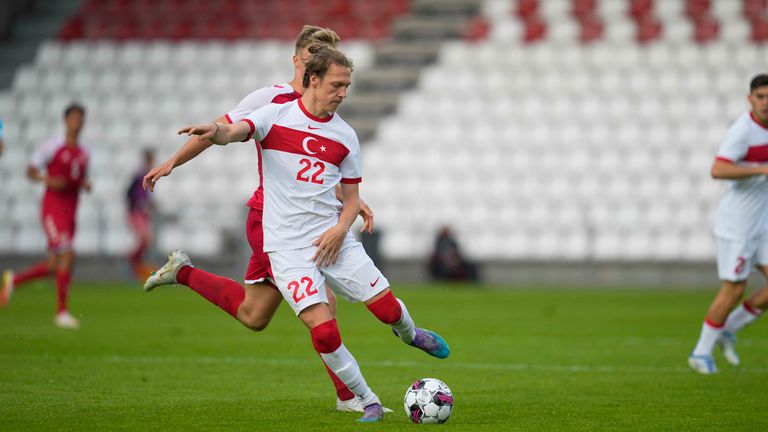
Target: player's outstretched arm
x=725, y=170
x=365, y=211
x=218, y=133
x=329, y=243
x=190, y=150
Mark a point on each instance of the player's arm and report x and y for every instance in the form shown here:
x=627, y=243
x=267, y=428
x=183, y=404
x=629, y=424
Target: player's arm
x=53, y=183
x=365, y=211
x=190, y=150
x=221, y=134
x=329, y=243
x=727, y=170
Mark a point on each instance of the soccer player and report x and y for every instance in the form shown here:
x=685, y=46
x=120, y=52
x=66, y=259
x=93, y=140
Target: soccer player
x=255, y=303
x=307, y=150
x=61, y=164
x=741, y=229
x=140, y=217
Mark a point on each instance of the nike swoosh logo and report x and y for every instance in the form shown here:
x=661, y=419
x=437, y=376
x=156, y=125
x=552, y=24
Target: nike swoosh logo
x=312, y=128
x=373, y=284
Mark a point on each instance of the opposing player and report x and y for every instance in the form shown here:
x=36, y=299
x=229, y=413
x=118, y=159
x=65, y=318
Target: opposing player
x=62, y=165
x=741, y=229
x=255, y=303
x=307, y=150
x=140, y=206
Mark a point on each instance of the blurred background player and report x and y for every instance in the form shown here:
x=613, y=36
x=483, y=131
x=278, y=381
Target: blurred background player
x=140, y=208
x=447, y=263
x=255, y=302
x=306, y=229
x=741, y=222
x=61, y=163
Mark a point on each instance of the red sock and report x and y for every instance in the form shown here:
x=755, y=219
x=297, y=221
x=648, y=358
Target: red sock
x=224, y=293
x=35, y=272
x=62, y=289
x=387, y=309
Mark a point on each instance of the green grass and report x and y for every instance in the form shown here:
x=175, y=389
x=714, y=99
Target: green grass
x=523, y=359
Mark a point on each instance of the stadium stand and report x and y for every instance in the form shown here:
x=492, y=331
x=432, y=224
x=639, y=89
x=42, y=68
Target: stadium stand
x=540, y=130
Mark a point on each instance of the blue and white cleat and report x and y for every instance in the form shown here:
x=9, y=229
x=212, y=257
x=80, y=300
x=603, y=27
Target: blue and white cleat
x=166, y=275
x=727, y=344
x=429, y=342
x=703, y=364
x=372, y=414
x=354, y=405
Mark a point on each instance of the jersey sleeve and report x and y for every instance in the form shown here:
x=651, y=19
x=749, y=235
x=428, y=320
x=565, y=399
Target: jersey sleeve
x=261, y=121
x=351, y=167
x=734, y=147
x=255, y=100
x=43, y=155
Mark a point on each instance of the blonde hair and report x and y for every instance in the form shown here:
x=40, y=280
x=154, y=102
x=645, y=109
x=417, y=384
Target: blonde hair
x=311, y=35
x=322, y=59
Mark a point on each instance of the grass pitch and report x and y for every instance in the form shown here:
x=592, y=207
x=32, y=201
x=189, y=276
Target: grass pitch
x=522, y=359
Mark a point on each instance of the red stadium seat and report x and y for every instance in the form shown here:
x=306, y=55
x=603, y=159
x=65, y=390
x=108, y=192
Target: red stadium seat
x=649, y=28
x=526, y=8
x=535, y=29
x=706, y=29
x=640, y=8
x=476, y=29
x=591, y=28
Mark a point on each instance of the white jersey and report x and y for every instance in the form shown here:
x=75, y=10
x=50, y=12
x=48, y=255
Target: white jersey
x=279, y=94
x=304, y=158
x=743, y=210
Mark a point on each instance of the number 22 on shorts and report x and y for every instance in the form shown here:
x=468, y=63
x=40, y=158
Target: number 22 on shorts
x=301, y=290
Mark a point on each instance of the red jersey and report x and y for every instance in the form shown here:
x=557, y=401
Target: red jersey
x=60, y=160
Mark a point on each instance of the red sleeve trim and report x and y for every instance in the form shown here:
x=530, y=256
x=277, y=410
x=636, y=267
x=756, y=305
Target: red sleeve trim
x=724, y=159
x=352, y=180
x=253, y=129
x=229, y=119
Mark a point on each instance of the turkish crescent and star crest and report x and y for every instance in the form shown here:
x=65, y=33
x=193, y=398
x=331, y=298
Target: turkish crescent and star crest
x=305, y=145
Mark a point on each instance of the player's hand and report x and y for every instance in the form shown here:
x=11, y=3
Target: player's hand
x=367, y=214
x=155, y=173
x=328, y=246
x=203, y=132
x=86, y=185
x=56, y=183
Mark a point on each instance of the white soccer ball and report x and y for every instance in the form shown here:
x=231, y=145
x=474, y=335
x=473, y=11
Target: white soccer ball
x=428, y=400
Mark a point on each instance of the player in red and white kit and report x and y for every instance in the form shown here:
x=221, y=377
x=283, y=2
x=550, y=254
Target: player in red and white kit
x=741, y=230
x=62, y=165
x=255, y=303
x=307, y=151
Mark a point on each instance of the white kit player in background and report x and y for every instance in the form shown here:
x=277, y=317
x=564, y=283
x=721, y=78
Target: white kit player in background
x=307, y=150
x=741, y=230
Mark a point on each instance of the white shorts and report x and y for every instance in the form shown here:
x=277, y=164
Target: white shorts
x=302, y=282
x=735, y=257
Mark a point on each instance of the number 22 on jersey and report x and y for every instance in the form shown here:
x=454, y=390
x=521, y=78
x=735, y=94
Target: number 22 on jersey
x=305, y=176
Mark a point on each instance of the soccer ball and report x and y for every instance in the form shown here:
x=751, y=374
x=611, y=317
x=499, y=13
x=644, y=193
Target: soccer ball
x=428, y=400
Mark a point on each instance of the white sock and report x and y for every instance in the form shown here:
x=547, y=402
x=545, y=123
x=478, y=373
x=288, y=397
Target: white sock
x=709, y=336
x=405, y=328
x=740, y=317
x=346, y=368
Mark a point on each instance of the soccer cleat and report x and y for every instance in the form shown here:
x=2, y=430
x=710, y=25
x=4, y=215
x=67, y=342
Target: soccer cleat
x=429, y=342
x=372, y=413
x=353, y=405
x=7, y=290
x=703, y=364
x=65, y=320
x=727, y=342
x=166, y=275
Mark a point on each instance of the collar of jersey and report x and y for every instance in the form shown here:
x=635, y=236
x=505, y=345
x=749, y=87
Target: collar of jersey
x=312, y=116
x=757, y=120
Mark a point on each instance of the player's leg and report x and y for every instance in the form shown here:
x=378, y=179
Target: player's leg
x=11, y=280
x=744, y=314
x=733, y=264
x=302, y=285
x=64, y=263
x=356, y=277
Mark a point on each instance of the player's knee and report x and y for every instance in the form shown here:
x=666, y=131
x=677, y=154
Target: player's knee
x=736, y=289
x=254, y=322
x=387, y=309
x=326, y=337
